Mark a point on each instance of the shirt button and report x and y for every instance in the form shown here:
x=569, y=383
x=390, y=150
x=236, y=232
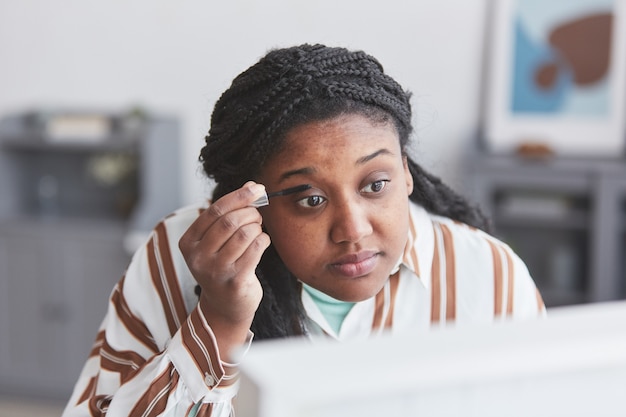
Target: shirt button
x=209, y=380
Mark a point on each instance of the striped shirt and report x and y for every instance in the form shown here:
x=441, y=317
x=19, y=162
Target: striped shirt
x=156, y=355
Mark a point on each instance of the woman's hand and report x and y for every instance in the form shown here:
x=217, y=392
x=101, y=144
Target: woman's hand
x=222, y=249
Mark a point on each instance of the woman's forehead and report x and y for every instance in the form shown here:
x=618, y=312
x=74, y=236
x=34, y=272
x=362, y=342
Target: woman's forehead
x=344, y=139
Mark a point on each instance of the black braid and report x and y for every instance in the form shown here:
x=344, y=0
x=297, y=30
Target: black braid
x=436, y=197
x=288, y=87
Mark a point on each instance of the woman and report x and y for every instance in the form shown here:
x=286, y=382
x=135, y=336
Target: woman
x=357, y=240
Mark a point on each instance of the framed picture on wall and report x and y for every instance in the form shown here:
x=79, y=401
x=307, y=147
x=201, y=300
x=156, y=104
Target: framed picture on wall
x=556, y=77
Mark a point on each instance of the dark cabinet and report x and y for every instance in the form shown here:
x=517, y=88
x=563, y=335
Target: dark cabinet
x=563, y=216
x=53, y=296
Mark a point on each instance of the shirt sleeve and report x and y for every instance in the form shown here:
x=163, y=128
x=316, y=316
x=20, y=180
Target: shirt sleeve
x=153, y=357
x=527, y=300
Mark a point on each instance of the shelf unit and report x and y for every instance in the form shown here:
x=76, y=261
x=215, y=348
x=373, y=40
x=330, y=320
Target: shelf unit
x=66, y=212
x=563, y=216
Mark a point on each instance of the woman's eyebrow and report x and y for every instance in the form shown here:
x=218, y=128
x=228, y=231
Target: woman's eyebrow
x=311, y=170
x=299, y=171
x=371, y=156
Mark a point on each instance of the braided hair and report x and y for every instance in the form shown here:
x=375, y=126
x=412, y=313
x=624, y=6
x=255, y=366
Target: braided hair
x=289, y=87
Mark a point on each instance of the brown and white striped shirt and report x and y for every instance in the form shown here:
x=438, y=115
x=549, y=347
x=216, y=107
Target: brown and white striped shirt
x=155, y=355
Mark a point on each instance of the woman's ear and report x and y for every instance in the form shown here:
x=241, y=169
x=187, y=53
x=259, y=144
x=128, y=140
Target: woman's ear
x=407, y=175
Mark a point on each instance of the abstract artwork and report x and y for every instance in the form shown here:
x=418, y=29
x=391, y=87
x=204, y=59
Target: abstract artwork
x=557, y=76
x=561, y=60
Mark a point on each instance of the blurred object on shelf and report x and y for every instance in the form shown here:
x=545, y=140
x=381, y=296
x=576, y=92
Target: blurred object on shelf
x=530, y=149
x=78, y=127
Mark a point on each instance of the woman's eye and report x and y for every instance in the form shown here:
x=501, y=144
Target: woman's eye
x=375, y=187
x=312, y=201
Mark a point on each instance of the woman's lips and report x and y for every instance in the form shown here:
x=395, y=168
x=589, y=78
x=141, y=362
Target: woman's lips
x=356, y=265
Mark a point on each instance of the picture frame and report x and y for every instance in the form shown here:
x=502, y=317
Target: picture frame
x=556, y=77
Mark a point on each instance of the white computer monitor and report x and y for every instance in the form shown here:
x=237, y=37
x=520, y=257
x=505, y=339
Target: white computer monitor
x=571, y=364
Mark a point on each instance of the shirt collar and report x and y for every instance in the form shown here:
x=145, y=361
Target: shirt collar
x=420, y=245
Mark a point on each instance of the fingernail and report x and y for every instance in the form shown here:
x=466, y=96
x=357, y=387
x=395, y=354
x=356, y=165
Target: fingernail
x=257, y=189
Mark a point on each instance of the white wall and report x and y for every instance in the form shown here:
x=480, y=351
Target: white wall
x=178, y=56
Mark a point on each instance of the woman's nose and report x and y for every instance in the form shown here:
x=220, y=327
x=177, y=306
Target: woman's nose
x=351, y=223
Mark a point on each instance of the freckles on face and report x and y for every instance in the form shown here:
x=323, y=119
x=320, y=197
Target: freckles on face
x=344, y=235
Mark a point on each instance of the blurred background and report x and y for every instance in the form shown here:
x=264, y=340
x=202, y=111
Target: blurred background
x=104, y=107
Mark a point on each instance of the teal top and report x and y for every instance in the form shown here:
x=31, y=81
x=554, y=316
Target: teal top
x=335, y=311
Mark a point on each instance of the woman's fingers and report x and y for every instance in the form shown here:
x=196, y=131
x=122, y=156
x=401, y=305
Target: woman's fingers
x=236, y=225
x=219, y=210
x=251, y=257
x=224, y=254
x=222, y=219
x=226, y=240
